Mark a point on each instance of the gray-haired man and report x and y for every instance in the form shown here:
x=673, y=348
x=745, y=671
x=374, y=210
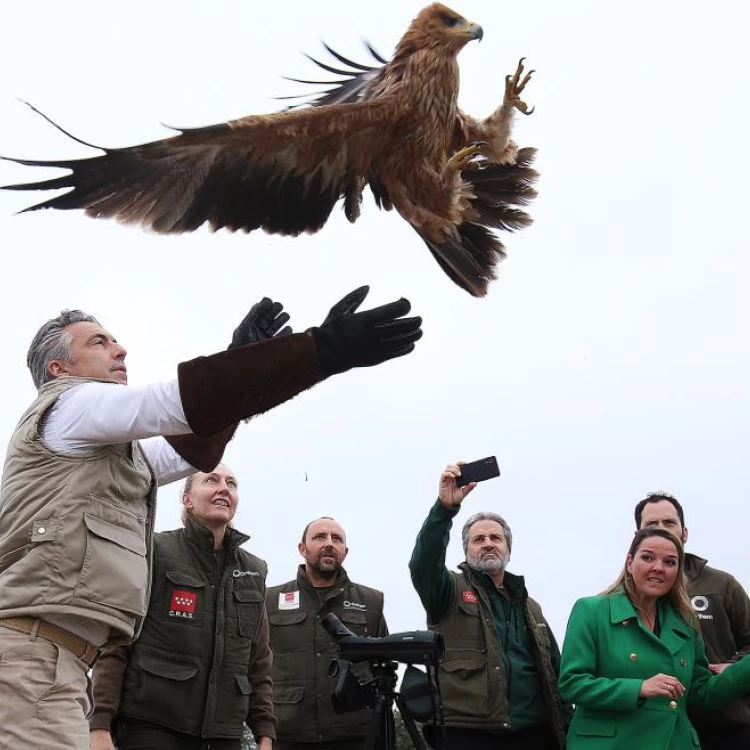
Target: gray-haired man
x=79, y=485
x=499, y=676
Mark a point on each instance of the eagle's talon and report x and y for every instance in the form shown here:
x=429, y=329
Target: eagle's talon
x=514, y=85
x=464, y=159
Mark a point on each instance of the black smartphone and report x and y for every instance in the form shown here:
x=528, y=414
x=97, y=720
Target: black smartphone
x=478, y=471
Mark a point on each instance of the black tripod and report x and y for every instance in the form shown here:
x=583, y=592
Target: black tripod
x=382, y=733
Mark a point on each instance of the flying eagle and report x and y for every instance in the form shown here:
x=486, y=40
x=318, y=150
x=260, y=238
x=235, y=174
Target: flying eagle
x=396, y=128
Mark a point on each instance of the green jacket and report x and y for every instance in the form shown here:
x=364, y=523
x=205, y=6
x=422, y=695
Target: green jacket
x=303, y=652
x=202, y=663
x=608, y=654
x=501, y=664
x=723, y=610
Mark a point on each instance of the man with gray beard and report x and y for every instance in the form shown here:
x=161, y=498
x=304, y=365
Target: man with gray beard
x=499, y=677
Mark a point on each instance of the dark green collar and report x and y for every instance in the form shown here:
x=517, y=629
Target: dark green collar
x=514, y=584
x=203, y=537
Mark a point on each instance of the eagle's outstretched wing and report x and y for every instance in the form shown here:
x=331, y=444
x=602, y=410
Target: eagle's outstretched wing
x=356, y=85
x=281, y=172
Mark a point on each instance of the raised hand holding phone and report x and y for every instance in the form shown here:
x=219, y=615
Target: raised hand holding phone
x=478, y=471
x=459, y=479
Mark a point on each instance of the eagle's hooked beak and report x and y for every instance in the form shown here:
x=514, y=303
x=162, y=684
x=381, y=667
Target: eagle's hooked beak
x=474, y=31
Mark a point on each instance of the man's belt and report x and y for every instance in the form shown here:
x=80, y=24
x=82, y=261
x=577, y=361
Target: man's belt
x=81, y=648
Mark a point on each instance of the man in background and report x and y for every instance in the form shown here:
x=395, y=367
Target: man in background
x=723, y=610
x=303, y=650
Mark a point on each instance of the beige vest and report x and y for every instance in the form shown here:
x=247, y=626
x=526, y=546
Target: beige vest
x=75, y=532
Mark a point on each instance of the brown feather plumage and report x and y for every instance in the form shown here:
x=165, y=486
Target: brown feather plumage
x=395, y=128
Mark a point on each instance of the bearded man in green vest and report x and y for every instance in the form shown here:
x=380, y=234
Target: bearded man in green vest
x=498, y=680
x=303, y=649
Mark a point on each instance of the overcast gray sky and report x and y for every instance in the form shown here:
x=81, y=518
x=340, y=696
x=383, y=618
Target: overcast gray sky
x=610, y=358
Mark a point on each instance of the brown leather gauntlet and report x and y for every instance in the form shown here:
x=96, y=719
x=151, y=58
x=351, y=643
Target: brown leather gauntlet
x=221, y=389
x=203, y=452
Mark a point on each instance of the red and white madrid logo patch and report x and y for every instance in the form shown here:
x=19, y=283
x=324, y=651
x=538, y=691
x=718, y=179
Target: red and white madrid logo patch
x=469, y=597
x=183, y=604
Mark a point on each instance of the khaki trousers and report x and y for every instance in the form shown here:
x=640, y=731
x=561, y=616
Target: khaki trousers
x=44, y=695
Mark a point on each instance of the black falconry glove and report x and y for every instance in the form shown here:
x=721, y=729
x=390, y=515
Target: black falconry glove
x=262, y=323
x=220, y=389
x=347, y=305
x=347, y=339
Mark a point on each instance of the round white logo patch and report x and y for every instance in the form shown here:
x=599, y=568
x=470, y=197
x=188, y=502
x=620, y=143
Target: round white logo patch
x=699, y=603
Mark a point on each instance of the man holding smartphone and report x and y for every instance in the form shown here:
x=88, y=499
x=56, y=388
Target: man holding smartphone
x=499, y=676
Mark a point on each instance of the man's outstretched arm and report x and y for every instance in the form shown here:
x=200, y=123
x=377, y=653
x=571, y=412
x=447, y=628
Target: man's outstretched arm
x=432, y=580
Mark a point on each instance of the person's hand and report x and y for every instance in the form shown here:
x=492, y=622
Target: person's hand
x=719, y=668
x=449, y=493
x=100, y=739
x=367, y=338
x=661, y=684
x=265, y=743
x=262, y=323
x=347, y=305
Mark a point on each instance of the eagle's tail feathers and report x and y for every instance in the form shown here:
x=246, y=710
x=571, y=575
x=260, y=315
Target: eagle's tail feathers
x=498, y=190
x=470, y=260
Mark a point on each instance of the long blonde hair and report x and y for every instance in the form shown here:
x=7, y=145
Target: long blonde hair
x=677, y=596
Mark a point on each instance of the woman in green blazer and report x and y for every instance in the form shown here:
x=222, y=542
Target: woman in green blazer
x=633, y=657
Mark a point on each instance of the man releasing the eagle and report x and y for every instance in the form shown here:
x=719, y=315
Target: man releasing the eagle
x=396, y=128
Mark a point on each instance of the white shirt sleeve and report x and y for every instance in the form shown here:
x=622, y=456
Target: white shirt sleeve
x=93, y=414
x=168, y=464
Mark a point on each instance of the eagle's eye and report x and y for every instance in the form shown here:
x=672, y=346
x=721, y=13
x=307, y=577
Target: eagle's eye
x=451, y=21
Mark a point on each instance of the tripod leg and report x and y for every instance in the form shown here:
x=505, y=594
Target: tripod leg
x=375, y=734
x=411, y=727
x=389, y=728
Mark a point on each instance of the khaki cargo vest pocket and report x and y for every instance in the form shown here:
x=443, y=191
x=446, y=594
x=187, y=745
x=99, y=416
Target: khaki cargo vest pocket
x=464, y=686
x=43, y=531
x=248, y=602
x=114, y=571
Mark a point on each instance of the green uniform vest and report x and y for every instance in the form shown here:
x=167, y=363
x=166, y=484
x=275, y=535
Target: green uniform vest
x=191, y=669
x=303, y=651
x=472, y=680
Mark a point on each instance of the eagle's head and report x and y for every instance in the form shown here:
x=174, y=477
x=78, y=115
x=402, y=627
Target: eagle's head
x=439, y=26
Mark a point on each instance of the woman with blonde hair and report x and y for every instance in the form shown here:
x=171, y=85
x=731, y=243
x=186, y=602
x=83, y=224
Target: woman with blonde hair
x=633, y=658
x=201, y=666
